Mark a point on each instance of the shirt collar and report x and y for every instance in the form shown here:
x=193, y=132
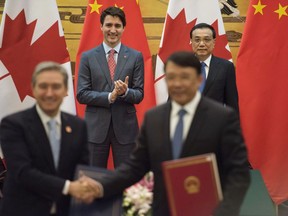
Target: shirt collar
x=190, y=107
x=45, y=118
x=108, y=48
x=208, y=60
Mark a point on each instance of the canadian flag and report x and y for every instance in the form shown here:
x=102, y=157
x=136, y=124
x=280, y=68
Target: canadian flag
x=30, y=32
x=181, y=16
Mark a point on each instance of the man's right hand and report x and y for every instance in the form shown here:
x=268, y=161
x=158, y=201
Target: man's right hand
x=83, y=191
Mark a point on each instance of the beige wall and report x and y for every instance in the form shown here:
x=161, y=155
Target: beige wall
x=72, y=14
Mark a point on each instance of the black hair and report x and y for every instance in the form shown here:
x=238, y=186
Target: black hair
x=201, y=26
x=184, y=59
x=115, y=12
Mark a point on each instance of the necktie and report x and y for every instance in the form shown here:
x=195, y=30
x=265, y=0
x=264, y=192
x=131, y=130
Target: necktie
x=203, y=73
x=178, y=135
x=111, y=63
x=54, y=140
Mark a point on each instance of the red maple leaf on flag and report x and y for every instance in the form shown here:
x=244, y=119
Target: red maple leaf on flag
x=221, y=43
x=20, y=56
x=176, y=35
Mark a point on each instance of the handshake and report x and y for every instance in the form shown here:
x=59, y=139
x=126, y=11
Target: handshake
x=85, y=189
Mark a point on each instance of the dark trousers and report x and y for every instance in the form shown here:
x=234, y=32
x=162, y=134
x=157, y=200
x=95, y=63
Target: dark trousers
x=99, y=152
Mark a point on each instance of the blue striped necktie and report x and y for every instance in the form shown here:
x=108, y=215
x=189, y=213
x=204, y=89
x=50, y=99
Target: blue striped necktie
x=54, y=140
x=177, y=141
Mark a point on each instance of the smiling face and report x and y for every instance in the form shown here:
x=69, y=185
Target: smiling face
x=49, y=90
x=182, y=82
x=202, y=43
x=112, y=29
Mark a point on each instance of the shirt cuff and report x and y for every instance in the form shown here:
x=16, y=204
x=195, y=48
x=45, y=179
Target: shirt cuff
x=65, y=190
x=109, y=98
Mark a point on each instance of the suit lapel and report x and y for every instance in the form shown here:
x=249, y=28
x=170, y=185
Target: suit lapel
x=66, y=130
x=195, y=128
x=37, y=129
x=121, y=61
x=100, y=58
x=212, y=74
x=166, y=129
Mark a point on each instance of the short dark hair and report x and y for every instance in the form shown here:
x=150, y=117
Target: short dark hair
x=184, y=59
x=115, y=12
x=201, y=26
x=49, y=66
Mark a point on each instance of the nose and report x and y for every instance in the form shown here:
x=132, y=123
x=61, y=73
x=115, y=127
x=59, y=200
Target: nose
x=49, y=91
x=113, y=29
x=201, y=43
x=177, y=83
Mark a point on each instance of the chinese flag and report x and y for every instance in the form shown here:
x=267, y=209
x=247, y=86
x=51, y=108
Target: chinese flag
x=30, y=32
x=181, y=16
x=262, y=85
x=134, y=36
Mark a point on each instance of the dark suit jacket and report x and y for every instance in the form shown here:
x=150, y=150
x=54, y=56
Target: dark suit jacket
x=214, y=129
x=94, y=85
x=32, y=183
x=221, y=83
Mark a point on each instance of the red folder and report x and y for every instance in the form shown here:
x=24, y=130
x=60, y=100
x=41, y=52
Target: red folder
x=192, y=185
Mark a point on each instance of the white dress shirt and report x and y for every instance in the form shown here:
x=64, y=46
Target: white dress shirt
x=207, y=62
x=45, y=119
x=187, y=118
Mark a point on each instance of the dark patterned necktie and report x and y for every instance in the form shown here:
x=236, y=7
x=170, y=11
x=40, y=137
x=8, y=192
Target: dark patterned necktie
x=203, y=73
x=111, y=63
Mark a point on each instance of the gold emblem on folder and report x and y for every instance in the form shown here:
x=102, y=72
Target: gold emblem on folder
x=192, y=184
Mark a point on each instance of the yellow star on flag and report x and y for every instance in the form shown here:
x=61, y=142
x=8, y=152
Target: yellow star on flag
x=95, y=7
x=281, y=11
x=137, y=1
x=119, y=7
x=259, y=8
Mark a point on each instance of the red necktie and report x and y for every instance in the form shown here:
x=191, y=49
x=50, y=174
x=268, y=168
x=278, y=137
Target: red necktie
x=111, y=63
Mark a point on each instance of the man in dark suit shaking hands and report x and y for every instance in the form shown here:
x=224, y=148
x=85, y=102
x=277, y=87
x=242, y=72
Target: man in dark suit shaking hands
x=42, y=147
x=110, y=82
x=207, y=127
x=219, y=74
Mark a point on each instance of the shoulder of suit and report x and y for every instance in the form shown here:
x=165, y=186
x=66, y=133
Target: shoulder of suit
x=71, y=117
x=214, y=105
x=222, y=60
x=22, y=115
x=94, y=49
x=129, y=49
x=159, y=109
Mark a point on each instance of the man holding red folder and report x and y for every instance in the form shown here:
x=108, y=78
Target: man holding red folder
x=187, y=125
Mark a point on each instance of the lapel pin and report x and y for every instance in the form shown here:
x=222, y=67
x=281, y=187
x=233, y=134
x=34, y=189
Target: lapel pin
x=68, y=129
x=125, y=56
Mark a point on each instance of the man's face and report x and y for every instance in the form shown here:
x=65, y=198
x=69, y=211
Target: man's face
x=49, y=91
x=202, y=43
x=112, y=29
x=182, y=82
